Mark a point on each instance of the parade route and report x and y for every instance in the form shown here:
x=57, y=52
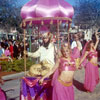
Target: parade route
x=12, y=88
x=80, y=93
x=49, y=45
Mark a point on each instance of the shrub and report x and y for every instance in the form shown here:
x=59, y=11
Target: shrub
x=16, y=65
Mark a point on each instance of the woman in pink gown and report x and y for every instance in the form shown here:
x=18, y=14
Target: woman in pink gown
x=63, y=70
x=91, y=68
x=76, y=47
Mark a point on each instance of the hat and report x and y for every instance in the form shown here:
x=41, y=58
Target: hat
x=47, y=34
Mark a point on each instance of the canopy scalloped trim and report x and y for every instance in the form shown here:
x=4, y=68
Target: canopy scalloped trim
x=47, y=18
x=42, y=19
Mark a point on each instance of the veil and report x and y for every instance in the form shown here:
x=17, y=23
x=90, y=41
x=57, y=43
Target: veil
x=83, y=53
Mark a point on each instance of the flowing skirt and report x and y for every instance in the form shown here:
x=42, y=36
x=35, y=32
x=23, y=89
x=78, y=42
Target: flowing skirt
x=62, y=92
x=91, y=77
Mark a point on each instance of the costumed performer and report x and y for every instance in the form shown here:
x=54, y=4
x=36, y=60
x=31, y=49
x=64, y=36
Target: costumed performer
x=63, y=70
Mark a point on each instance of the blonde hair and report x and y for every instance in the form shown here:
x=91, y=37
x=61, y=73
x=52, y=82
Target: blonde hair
x=63, y=47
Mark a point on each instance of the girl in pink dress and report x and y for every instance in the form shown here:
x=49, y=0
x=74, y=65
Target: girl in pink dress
x=7, y=52
x=91, y=68
x=62, y=81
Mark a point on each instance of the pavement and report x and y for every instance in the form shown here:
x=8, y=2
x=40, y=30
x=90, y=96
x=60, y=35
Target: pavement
x=12, y=87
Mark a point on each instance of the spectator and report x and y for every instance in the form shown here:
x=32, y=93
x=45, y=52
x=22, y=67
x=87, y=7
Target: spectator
x=7, y=52
x=11, y=48
x=1, y=51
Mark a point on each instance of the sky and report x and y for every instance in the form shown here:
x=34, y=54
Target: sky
x=22, y=2
x=72, y=2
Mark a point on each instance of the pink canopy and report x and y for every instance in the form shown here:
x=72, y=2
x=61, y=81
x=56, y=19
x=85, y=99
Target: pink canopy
x=48, y=12
x=47, y=9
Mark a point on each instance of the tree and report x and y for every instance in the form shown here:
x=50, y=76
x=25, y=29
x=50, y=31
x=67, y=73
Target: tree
x=9, y=14
x=87, y=13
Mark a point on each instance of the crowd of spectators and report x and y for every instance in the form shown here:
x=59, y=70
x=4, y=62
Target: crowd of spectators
x=13, y=49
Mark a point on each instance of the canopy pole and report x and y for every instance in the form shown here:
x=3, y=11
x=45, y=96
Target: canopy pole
x=24, y=53
x=69, y=25
x=38, y=35
x=58, y=33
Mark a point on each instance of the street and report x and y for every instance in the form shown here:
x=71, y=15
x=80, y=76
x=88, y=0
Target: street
x=12, y=88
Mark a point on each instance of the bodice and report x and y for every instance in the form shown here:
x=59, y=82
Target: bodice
x=66, y=66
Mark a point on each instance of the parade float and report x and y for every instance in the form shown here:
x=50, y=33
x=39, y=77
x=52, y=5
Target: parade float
x=40, y=13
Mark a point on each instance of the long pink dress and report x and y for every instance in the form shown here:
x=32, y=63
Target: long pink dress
x=76, y=55
x=91, y=73
x=83, y=53
x=61, y=90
